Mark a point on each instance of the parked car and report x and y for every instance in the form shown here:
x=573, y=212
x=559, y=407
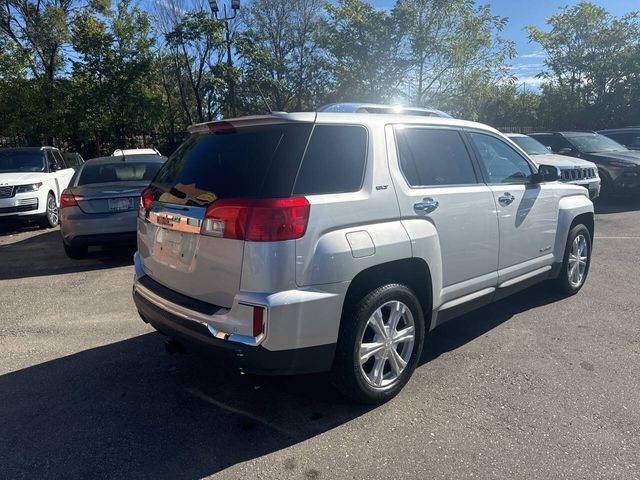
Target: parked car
x=31, y=179
x=135, y=151
x=73, y=159
x=100, y=205
x=307, y=242
x=381, y=108
x=628, y=136
x=618, y=167
x=572, y=170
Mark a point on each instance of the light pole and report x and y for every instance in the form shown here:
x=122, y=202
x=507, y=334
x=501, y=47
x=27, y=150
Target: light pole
x=235, y=6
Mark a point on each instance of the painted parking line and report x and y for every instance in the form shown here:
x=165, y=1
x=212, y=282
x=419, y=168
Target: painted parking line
x=616, y=238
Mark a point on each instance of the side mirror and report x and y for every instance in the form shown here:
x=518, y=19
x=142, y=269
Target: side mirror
x=567, y=151
x=53, y=167
x=546, y=173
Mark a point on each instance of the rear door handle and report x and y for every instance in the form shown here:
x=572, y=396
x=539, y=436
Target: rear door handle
x=427, y=205
x=506, y=199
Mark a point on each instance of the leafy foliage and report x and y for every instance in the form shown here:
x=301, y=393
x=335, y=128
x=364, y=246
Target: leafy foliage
x=90, y=76
x=592, y=62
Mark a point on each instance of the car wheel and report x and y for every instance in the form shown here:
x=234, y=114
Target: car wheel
x=75, y=252
x=51, y=216
x=605, y=187
x=379, y=345
x=576, y=262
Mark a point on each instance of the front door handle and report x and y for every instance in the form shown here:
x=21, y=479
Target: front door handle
x=427, y=205
x=506, y=199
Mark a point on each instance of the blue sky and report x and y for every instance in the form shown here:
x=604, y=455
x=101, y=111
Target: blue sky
x=529, y=60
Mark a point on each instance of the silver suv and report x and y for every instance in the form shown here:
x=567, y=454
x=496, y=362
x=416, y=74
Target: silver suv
x=308, y=242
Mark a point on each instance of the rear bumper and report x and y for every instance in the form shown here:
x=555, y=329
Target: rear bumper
x=195, y=336
x=103, y=239
x=80, y=229
x=300, y=326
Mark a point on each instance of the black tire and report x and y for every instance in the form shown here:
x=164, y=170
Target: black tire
x=51, y=218
x=606, y=187
x=75, y=252
x=348, y=375
x=564, y=282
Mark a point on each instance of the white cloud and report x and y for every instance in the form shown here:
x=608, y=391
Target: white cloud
x=532, y=81
x=538, y=54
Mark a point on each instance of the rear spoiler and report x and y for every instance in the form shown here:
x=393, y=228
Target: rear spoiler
x=233, y=123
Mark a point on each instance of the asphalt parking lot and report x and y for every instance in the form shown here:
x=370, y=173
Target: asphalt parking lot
x=535, y=386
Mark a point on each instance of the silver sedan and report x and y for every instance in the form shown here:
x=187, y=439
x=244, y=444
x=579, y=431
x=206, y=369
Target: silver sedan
x=100, y=206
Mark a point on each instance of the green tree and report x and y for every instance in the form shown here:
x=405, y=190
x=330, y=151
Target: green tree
x=591, y=64
x=281, y=55
x=364, y=47
x=454, y=49
x=116, y=95
x=197, y=46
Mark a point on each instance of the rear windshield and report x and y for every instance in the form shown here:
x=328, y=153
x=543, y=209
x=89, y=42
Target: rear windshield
x=118, y=172
x=264, y=161
x=21, y=161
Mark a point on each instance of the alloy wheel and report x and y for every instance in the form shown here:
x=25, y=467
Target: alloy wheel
x=52, y=210
x=387, y=344
x=577, y=262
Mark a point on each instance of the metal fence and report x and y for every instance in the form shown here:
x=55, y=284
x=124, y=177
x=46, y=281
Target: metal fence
x=166, y=144
x=522, y=129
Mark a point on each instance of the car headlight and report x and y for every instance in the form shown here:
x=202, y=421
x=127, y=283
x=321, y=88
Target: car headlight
x=32, y=187
x=622, y=164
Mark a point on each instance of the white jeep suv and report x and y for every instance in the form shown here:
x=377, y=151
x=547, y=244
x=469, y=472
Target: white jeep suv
x=311, y=242
x=31, y=180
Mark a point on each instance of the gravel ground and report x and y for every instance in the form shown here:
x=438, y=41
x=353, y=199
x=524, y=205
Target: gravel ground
x=534, y=386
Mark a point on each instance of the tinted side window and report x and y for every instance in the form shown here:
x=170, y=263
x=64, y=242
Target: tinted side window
x=433, y=157
x=334, y=161
x=553, y=141
x=631, y=140
x=59, y=160
x=501, y=162
x=51, y=160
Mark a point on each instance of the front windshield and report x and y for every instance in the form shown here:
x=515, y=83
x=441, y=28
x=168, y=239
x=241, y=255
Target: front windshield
x=595, y=143
x=530, y=145
x=21, y=161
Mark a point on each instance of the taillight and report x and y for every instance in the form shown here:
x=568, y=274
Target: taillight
x=257, y=220
x=69, y=199
x=258, y=321
x=146, y=198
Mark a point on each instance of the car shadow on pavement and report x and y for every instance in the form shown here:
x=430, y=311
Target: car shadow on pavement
x=43, y=254
x=461, y=330
x=13, y=226
x=129, y=410
x=616, y=205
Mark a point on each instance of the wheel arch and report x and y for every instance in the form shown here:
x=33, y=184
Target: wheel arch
x=572, y=210
x=412, y=272
x=55, y=197
x=587, y=219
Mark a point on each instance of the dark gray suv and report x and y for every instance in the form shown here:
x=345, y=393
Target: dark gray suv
x=619, y=167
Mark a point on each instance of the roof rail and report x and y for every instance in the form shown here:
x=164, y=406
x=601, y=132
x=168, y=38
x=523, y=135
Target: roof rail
x=356, y=107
